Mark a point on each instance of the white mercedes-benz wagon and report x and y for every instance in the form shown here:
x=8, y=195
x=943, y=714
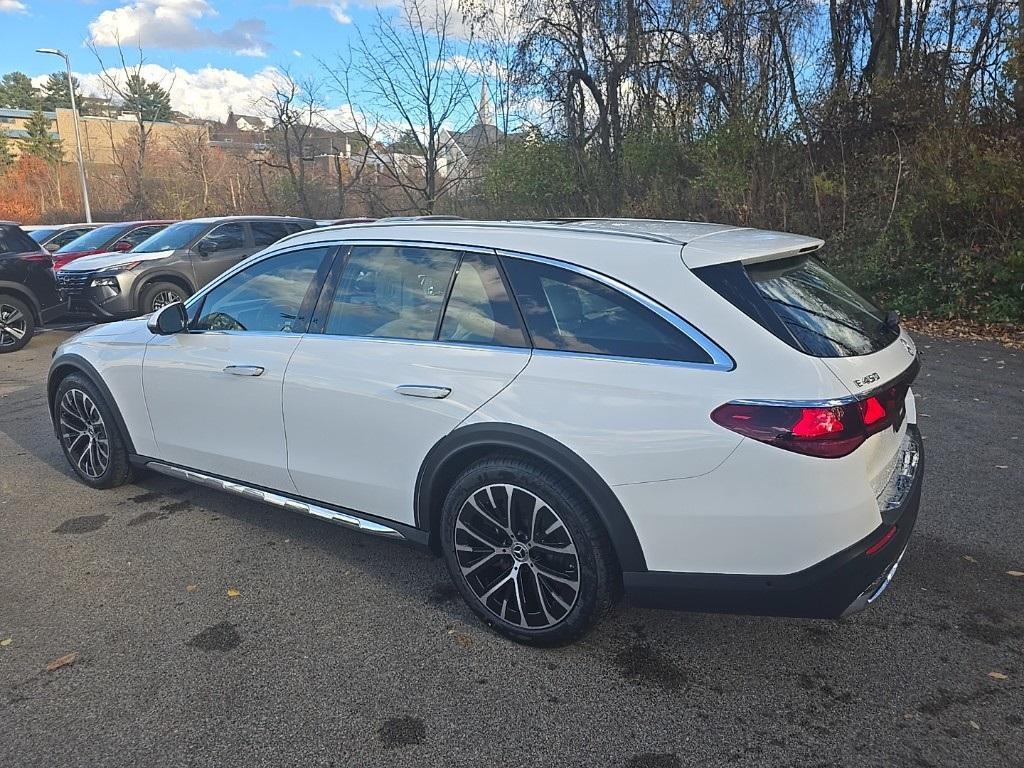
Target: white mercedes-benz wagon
x=699, y=416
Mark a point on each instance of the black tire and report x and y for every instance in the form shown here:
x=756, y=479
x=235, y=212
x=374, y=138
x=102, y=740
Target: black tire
x=565, y=521
x=21, y=320
x=76, y=393
x=158, y=293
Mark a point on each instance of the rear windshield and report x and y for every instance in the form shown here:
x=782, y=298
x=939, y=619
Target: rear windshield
x=805, y=305
x=98, y=238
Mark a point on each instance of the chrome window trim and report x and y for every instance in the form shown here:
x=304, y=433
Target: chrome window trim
x=720, y=359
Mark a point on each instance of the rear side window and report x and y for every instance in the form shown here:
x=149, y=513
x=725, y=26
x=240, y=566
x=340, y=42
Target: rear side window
x=479, y=309
x=568, y=311
x=805, y=305
x=267, y=232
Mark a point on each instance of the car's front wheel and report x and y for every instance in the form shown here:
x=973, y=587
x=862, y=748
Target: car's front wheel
x=526, y=551
x=17, y=325
x=158, y=295
x=91, y=440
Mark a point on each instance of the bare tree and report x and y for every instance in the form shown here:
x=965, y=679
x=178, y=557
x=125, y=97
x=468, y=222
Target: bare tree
x=296, y=110
x=411, y=92
x=148, y=103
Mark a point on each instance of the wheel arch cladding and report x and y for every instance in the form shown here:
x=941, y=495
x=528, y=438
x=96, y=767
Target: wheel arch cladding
x=70, y=363
x=465, y=445
x=172, y=278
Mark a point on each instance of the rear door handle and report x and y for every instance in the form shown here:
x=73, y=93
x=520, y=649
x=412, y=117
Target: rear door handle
x=244, y=370
x=423, y=390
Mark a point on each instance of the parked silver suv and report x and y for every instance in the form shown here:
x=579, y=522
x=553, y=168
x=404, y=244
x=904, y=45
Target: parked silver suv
x=169, y=266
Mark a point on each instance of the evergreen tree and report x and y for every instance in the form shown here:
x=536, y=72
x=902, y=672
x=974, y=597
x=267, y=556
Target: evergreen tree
x=6, y=155
x=17, y=92
x=56, y=93
x=147, y=99
x=39, y=142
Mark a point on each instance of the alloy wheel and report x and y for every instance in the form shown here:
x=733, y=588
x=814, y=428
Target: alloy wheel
x=163, y=298
x=517, y=556
x=13, y=325
x=84, y=433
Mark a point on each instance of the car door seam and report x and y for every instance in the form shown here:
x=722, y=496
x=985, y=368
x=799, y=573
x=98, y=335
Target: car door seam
x=284, y=421
x=489, y=399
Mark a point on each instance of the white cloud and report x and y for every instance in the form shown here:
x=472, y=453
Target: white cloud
x=337, y=8
x=208, y=93
x=174, y=25
x=13, y=6
x=297, y=53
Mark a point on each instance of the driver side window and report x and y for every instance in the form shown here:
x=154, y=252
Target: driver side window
x=272, y=296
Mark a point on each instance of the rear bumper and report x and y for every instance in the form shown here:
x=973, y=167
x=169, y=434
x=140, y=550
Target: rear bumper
x=836, y=587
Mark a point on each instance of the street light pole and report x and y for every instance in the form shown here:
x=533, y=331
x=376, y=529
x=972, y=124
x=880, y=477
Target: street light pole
x=78, y=134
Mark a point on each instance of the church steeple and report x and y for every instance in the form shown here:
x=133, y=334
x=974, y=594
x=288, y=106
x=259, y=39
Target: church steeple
x=484, y=110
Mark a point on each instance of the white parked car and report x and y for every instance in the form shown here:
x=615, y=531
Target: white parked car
x=699, y=415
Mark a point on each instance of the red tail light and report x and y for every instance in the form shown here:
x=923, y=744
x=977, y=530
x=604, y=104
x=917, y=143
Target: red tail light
x=825, y=431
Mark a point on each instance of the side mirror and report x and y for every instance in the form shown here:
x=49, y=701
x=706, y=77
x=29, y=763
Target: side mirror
x=206, y=246
x=122, y=245
x=168, y=320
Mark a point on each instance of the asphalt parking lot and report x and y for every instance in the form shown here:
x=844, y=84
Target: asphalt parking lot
x=210, y=631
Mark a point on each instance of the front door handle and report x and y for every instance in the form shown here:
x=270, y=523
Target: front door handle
x=423, y=390
x=244, y=370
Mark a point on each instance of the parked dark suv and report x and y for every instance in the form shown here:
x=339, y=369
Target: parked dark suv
x=28, y=292
x=171, y=265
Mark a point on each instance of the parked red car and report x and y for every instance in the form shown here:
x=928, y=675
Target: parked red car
x=122, y=236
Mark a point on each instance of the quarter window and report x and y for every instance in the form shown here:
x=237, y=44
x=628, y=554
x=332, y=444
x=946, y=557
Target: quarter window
x=567, y=311
x=391, y=292
x=479, y=310
x=273, y=295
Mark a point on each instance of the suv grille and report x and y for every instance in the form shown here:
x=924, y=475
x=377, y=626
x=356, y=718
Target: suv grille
x=71, y=283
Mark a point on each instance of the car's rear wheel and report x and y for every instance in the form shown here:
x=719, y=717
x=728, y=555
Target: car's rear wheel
x=17, y=326
x=527, y=553
x=158, y=295
x=91, y=440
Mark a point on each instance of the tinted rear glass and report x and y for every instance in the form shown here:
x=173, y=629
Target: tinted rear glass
x=567, y=311
x=805, y=305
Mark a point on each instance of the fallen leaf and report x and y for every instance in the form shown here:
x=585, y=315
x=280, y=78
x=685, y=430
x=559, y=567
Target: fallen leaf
x=463, y=641
x=232, y=592
x=64, y=661
x=192, y=588
x=969, y=559
x=1016, y=574
x=6, y=641
x=974, y=725
x=997, y=675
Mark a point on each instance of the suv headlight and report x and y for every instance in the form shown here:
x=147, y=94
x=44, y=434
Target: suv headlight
x=105, y=282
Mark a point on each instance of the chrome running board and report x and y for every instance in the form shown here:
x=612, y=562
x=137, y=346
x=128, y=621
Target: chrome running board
x=276, y=499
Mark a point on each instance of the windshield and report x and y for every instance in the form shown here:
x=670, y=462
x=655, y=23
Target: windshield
x=98, y=238
x=175, y=236
x=826, y=317
x=41, y=234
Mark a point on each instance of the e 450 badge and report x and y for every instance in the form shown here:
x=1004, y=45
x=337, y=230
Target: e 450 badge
x=871, y=378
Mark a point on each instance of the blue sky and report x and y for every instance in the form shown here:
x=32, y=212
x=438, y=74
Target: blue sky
x=217, y=53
